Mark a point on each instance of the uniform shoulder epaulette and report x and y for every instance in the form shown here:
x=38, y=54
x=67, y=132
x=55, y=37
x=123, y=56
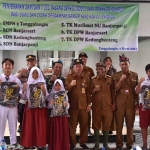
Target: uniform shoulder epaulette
x=69, y=74
x=89, y=67
x=117, y=72
x=108, y=76
x=133, y=72
x=93, y=77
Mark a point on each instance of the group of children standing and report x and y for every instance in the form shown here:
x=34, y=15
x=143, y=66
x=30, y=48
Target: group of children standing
x=36, y=131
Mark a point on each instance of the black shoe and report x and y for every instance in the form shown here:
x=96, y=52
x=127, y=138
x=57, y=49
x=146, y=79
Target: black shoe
x=110, y=132
x=72, y=147
x=84, y=146
x=144, y=148
x=89, y=133
x=118, y=148
x=129, y=147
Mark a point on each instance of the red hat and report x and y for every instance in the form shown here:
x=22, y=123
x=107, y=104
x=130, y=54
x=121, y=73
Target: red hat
x=123, y=58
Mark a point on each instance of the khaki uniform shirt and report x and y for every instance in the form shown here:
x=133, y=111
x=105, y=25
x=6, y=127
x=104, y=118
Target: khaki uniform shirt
x=124, y=98
x=103, y=99
x=88, y=71
x=79, y=95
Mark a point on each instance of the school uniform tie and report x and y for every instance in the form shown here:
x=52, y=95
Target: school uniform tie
x=7, y=78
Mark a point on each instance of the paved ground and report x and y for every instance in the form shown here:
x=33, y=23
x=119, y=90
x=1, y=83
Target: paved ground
x=138, y=138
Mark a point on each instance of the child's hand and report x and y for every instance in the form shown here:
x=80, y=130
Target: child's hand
x=65, y=104
x=41, y=85
x=52, y=102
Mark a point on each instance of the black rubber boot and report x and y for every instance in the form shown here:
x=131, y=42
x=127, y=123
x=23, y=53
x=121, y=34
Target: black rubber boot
x=105, y=140
x=96, y=137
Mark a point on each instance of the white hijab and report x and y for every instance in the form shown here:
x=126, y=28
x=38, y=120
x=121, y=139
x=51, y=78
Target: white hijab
x=39, y=79
x=61, y=83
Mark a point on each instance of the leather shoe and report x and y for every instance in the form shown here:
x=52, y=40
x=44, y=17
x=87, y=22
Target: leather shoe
x=144, y=148
x=129, y=147
x=118, y=148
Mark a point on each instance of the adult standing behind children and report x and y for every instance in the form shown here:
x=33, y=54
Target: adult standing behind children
x=10, y=86
x=23, y=76
x=57, y=74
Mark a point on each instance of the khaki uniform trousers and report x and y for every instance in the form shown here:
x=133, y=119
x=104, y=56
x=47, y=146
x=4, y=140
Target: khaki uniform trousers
x=81, y=116
x=129, y=115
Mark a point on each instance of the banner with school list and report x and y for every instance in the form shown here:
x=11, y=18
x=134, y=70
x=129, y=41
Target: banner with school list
x=68, y=26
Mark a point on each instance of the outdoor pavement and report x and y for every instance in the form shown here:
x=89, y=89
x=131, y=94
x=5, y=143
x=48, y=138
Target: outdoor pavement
x=137, y=133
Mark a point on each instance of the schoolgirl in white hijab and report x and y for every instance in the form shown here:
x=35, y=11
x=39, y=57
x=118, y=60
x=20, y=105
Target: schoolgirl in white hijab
x=31, y=80
x=61, y=90
x=59, y=119
x=35, y=121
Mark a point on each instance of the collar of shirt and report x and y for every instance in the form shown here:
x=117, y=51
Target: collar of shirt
x=3, y=77
x=128, y=72
x=101, y=78
x=75, y=75
x=147, y=78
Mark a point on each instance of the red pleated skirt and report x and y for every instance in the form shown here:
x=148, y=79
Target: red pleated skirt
x=58, y=133
x=34, y=127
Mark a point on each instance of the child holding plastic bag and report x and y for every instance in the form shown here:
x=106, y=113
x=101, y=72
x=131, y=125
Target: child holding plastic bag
x=35, y=119
x=59, y=130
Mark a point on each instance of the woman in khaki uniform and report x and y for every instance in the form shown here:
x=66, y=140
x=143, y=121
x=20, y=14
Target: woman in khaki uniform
x=103, y=104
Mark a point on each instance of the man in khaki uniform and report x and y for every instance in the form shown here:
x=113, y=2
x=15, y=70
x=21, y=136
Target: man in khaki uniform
x=78, y=86
x=125, y=82
x=103, y=104
x=90, y=73
x=87, y=70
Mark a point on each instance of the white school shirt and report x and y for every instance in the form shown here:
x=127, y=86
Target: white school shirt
x=145, y=82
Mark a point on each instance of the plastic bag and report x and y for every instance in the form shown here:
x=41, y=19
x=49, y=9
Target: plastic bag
x=36, y=97
x=58, y=108
x=9, y=93
x=146, y=99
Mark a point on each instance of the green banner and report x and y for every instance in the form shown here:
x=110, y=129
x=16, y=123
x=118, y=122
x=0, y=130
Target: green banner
x=68, y=26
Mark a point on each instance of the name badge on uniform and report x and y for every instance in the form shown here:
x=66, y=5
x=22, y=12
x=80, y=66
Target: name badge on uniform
x=83, y=90
x=127, y=92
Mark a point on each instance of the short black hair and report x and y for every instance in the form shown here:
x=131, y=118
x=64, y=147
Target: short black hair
x=54, y=62
x=147, y=67
x=8, y=59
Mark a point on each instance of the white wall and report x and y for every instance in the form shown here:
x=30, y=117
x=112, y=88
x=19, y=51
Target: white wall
x=19, y=58
x=138, y=60
x=144, y=19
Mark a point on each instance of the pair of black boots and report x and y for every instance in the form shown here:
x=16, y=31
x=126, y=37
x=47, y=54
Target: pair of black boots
x=105, y=139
